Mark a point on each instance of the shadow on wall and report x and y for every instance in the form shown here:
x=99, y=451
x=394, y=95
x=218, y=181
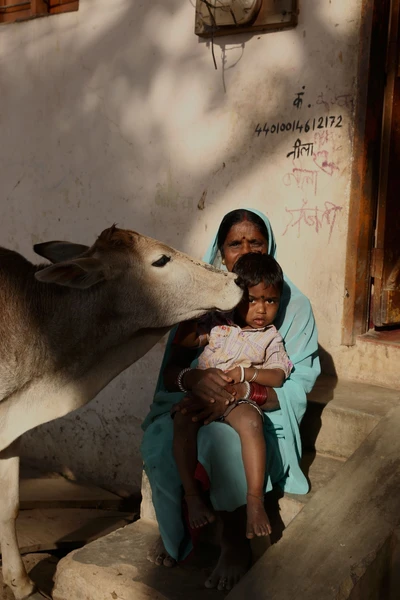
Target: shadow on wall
x=88, y=119
x=318, y=400
x=98, y=120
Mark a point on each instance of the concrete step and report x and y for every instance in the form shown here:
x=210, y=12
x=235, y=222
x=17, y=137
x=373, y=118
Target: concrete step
x=45, y=529
x=344, y=543
x=42, y=490
x=319, y=469
x=341, y=414
x=116, y=567
x=117, y=562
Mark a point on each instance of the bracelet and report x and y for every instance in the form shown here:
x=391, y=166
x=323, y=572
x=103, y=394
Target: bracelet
x=258, y=393
x=254, y=377
x=180, y=377
x=248, y=390
x=241, y=374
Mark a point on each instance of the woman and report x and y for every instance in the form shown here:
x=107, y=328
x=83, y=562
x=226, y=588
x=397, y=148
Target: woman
x=219, y=450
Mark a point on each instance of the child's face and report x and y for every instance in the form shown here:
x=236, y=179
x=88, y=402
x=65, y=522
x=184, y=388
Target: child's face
x=260, y=307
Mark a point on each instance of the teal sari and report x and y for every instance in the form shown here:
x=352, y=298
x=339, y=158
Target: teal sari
x=219, y=449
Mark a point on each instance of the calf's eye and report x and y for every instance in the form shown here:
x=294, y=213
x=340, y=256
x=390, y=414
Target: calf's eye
x=161, y=262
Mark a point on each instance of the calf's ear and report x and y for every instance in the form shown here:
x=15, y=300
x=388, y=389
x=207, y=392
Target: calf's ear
x=81, y=273
x=57, y=252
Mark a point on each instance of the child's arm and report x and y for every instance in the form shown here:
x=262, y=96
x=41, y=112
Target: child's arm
x=268, y=377
x=275, y=369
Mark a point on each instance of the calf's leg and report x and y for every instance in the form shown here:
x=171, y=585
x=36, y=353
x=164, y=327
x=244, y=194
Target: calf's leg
x=14, y=573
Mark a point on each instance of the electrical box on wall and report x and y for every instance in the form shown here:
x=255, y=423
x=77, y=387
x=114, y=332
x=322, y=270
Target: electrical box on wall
x=226, y=17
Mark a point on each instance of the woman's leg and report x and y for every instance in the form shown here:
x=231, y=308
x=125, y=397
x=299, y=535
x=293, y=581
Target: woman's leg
x=220, y=453
x=166, y=488
x=248, y=423
x=185, y=453
x=235, y=558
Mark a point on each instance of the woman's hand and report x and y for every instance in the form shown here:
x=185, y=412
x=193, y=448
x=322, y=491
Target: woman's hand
x=208, y=388
x=238, y=390
x=203, y=411
x=209, y=385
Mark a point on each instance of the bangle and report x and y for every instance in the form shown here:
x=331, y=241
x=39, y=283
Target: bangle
x=254, y=377
x=248, y=390
x=258, y=393
x=179, y=379
x=241, y=374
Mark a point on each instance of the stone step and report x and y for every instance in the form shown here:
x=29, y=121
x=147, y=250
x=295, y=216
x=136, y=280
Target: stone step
x=319, y=469
x=343, y=543
x=341, y=414
x=117, y=562
x=42, y=490
x=116, y=566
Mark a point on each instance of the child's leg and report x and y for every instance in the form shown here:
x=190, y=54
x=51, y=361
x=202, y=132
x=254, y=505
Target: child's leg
x=185, y=453
x=248, y=423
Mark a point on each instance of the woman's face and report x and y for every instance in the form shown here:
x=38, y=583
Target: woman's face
x=244, y=237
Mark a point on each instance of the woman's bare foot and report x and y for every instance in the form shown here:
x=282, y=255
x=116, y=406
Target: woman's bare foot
x=159, y=556
x=257, y=519
x=199, y=513
x=233, y=563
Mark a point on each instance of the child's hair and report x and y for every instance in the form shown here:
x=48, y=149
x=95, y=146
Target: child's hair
x=254, y=268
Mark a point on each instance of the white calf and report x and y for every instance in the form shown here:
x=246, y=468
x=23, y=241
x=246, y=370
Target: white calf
x=66, y=330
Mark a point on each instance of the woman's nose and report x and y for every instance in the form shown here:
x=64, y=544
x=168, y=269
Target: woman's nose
x=246, y=247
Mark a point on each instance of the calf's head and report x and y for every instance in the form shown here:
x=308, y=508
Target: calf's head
x=140, y=277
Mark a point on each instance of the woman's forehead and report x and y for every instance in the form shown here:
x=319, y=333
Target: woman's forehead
x=244, y=229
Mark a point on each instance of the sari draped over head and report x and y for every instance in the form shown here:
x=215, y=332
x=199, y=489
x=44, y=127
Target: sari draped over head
x=219, y=449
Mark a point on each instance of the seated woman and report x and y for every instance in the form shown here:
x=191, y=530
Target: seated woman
x=218, y=446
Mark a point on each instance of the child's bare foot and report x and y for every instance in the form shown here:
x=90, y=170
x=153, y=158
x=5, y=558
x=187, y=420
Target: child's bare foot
x=199, y=513
x=257, y=519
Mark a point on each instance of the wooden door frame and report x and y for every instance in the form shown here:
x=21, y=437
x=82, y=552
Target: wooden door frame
x=371, y=78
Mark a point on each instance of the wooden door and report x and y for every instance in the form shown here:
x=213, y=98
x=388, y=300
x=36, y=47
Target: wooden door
x=385, y=264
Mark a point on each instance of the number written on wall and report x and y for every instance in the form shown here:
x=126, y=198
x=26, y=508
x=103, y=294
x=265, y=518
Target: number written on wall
x=296, y=125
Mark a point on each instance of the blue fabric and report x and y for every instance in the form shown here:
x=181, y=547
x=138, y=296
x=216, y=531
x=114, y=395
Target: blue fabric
x=219, y=448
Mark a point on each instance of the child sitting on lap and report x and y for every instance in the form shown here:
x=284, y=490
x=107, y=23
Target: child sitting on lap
x=248, y=348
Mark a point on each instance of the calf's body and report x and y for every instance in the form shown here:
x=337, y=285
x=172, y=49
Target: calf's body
x=68, y=329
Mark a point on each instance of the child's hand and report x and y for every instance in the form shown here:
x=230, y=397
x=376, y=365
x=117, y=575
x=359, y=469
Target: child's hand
x=234, y=374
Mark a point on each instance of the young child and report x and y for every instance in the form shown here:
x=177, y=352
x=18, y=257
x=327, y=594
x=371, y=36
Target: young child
x=248, y=348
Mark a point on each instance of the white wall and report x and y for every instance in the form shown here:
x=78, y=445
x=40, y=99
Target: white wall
x=116, y=114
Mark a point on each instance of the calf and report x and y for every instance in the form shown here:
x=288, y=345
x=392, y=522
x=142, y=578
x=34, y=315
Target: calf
x=66, y=330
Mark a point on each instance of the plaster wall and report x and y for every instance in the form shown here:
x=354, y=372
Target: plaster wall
x=116, y=114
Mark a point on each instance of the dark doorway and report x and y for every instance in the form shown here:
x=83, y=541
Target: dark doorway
x=385, y=264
